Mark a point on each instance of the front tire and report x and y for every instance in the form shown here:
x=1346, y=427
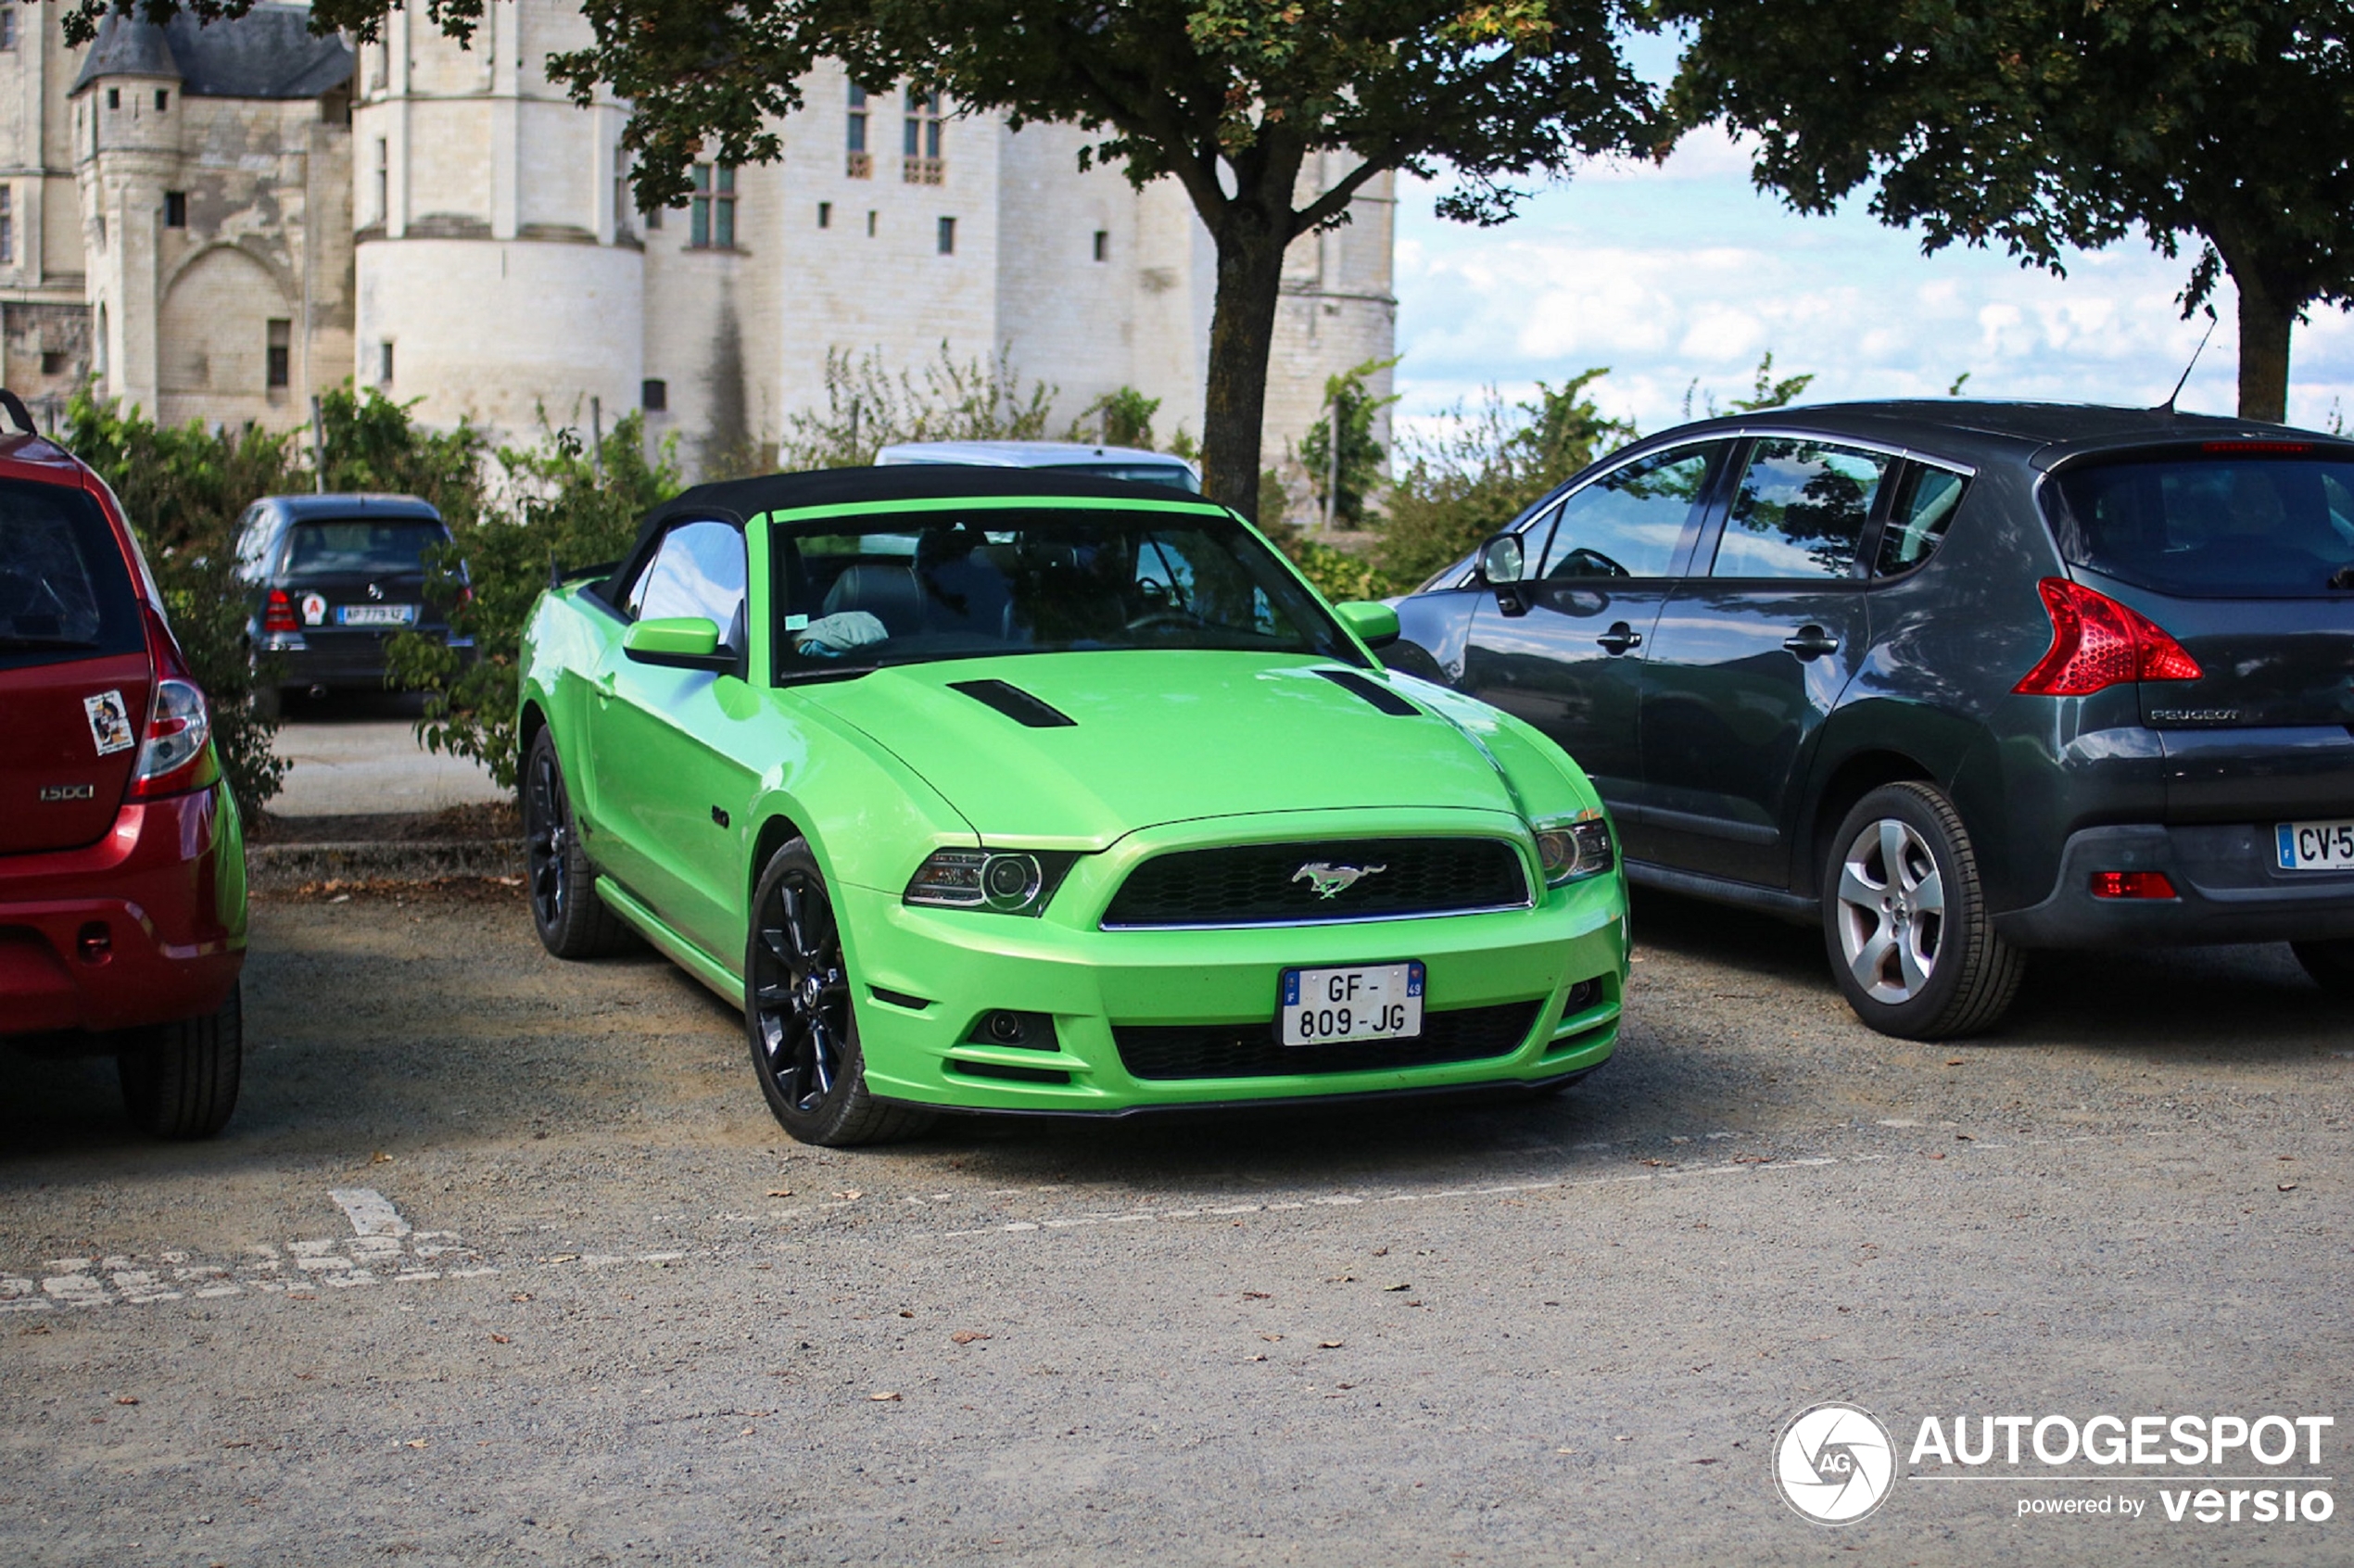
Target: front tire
x=1905, y=923
x=180, y=1079
x=2330, y=962
x=573, y=922
x=798, y=1015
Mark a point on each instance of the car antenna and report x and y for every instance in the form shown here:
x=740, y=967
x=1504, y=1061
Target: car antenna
x=2168, y=407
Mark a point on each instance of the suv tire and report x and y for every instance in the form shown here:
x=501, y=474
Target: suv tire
x=798, y=1015
x=2330, y=962
x=1904, y=919
x=573, y=922
x=180, y=1079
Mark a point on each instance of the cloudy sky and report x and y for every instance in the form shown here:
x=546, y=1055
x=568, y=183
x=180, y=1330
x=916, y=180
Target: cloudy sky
x=1683, y=272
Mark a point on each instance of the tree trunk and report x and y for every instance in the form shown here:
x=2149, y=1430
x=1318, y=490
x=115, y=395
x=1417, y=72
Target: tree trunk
x=2266, y=315
x=1242, y=330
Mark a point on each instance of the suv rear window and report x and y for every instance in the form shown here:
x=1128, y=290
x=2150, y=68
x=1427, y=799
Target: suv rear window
x=370, y=548
x=65, y=592
x=2222, y=526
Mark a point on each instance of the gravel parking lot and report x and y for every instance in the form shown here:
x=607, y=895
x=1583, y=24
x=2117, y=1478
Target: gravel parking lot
x=504, y=1261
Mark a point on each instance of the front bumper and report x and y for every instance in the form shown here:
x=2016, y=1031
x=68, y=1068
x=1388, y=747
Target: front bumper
x=2229, y=892
x=166, y=886
x=1570, y=948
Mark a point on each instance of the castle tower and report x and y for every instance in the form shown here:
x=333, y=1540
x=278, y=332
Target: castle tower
x=494, y=277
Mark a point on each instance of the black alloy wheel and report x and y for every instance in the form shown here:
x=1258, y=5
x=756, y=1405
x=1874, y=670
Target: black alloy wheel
x=573, y=922
x=798, y=1012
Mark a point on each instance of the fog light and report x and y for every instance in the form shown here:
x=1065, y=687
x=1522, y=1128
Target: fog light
x=2133, y=884
x=95, y=942
x=1003, y=1026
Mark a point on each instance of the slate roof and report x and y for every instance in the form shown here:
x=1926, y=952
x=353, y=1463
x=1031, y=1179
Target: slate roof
x=268, y=53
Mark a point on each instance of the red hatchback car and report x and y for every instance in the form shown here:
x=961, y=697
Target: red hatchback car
x=122, y=881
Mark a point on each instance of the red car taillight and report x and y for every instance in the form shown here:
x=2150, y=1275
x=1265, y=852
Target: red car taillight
x=174, y=755
x=278, y=613
x=2097, y=643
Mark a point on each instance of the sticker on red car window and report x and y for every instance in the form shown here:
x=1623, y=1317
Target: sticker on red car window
x=110, y=722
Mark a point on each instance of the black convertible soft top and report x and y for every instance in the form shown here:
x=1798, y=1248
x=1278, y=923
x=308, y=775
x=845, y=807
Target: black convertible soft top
x=742, y=498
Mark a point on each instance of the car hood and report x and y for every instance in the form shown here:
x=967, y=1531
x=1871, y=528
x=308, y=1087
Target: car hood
x=1156, y=736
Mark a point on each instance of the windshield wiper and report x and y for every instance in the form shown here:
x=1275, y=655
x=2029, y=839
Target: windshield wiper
x=9, y=643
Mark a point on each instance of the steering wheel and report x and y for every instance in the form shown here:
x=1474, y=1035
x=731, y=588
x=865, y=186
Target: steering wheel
x=1183, y=619
x=1589, y=564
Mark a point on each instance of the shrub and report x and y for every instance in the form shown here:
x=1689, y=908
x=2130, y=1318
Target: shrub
x=1120, y=419
x=868, y=409
x=1360, y=457
x=183, y=489
x=570, y=510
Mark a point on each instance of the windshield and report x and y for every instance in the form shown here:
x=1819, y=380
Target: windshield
x=2212, y=528
x=377, y=549
x=906, y=588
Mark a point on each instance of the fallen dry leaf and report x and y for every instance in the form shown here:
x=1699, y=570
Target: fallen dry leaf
x=907, y=1314
x=1254, y=1358
x=2288, y=1186
x=745, y=1432
x=565, y=1257
x=880, y=1398
x=501, y=1339
x=853, y=1195
x=380, y=1158
x=1330, y=1343
x=1956, y=1061
x=1270, y=1338
x=1408, y=1285
x=1381, y=1252
x=780, y=1192
x=414, y=1443
x=1340, y=1279
x=126, y=1400
x=520, y=1295
x=967, y=1337
x=1258, y=1295
x=1939, y=1154
x=1703, y=1461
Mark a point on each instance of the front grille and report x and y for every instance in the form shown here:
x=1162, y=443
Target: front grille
x=1269, y=884
x=1459, y=1035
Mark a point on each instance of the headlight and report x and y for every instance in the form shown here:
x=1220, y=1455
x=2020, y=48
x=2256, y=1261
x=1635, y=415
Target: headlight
x=1571, y=851
x=1007, y=881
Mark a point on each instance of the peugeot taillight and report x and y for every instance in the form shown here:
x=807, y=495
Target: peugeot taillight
x=278, y=613
x=2097, y=643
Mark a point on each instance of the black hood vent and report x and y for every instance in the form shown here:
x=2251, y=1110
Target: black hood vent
x=1372, y=691
x=1015, y=703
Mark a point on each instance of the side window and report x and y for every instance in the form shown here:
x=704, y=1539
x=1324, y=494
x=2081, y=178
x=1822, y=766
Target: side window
x=1629, y=523
x=697, y=569
x=1799, y=511
x=1926, y=501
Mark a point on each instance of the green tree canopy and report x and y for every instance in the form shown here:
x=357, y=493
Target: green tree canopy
x=2039, y=124
x=1231, y=98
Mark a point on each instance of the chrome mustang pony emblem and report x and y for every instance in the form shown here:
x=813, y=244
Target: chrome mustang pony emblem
x=1328, y=880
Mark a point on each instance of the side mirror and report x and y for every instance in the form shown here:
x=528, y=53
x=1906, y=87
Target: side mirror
x=1376, y=624
x=681, y=642
x=1503, y=560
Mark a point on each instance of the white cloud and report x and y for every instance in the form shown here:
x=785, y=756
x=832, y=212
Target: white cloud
x=1681, y=274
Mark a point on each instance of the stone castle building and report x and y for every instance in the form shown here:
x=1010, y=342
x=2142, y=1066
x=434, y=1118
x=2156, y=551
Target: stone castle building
x=217, y=223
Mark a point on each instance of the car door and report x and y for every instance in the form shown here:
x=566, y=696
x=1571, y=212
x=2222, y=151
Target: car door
x=1750, y=655
x=670, y=750
x=1565, y=649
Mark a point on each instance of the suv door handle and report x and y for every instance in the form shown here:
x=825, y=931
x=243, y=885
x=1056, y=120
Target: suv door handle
x=1811, y=642
x=1619, y=639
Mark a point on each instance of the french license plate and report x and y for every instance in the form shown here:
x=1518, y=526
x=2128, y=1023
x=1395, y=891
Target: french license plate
x=375, y=614
x=1375, y=1002
x=2315, y=846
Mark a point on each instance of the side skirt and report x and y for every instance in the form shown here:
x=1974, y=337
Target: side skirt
x=727, y=985
x=1742, y=895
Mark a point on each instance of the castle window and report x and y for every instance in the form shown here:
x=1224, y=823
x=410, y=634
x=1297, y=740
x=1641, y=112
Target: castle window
x=52, y=361
x=114, y=98
x=7, y=226
x=1103, y=245
x=825, y=214
x=383, y=182
x=857, y=163
x=383, y=364
x=281, y=355
x=8, y=28
x=948, y=236
x=654, y=396
x=164, y=99
x=711, y=210
x=870, y=223
x=922, y=164
x=175, y=209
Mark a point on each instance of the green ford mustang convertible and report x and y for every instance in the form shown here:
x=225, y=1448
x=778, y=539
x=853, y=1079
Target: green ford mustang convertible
x=998, y=791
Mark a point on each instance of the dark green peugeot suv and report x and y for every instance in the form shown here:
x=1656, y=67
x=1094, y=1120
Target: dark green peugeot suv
x=1957, y=679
